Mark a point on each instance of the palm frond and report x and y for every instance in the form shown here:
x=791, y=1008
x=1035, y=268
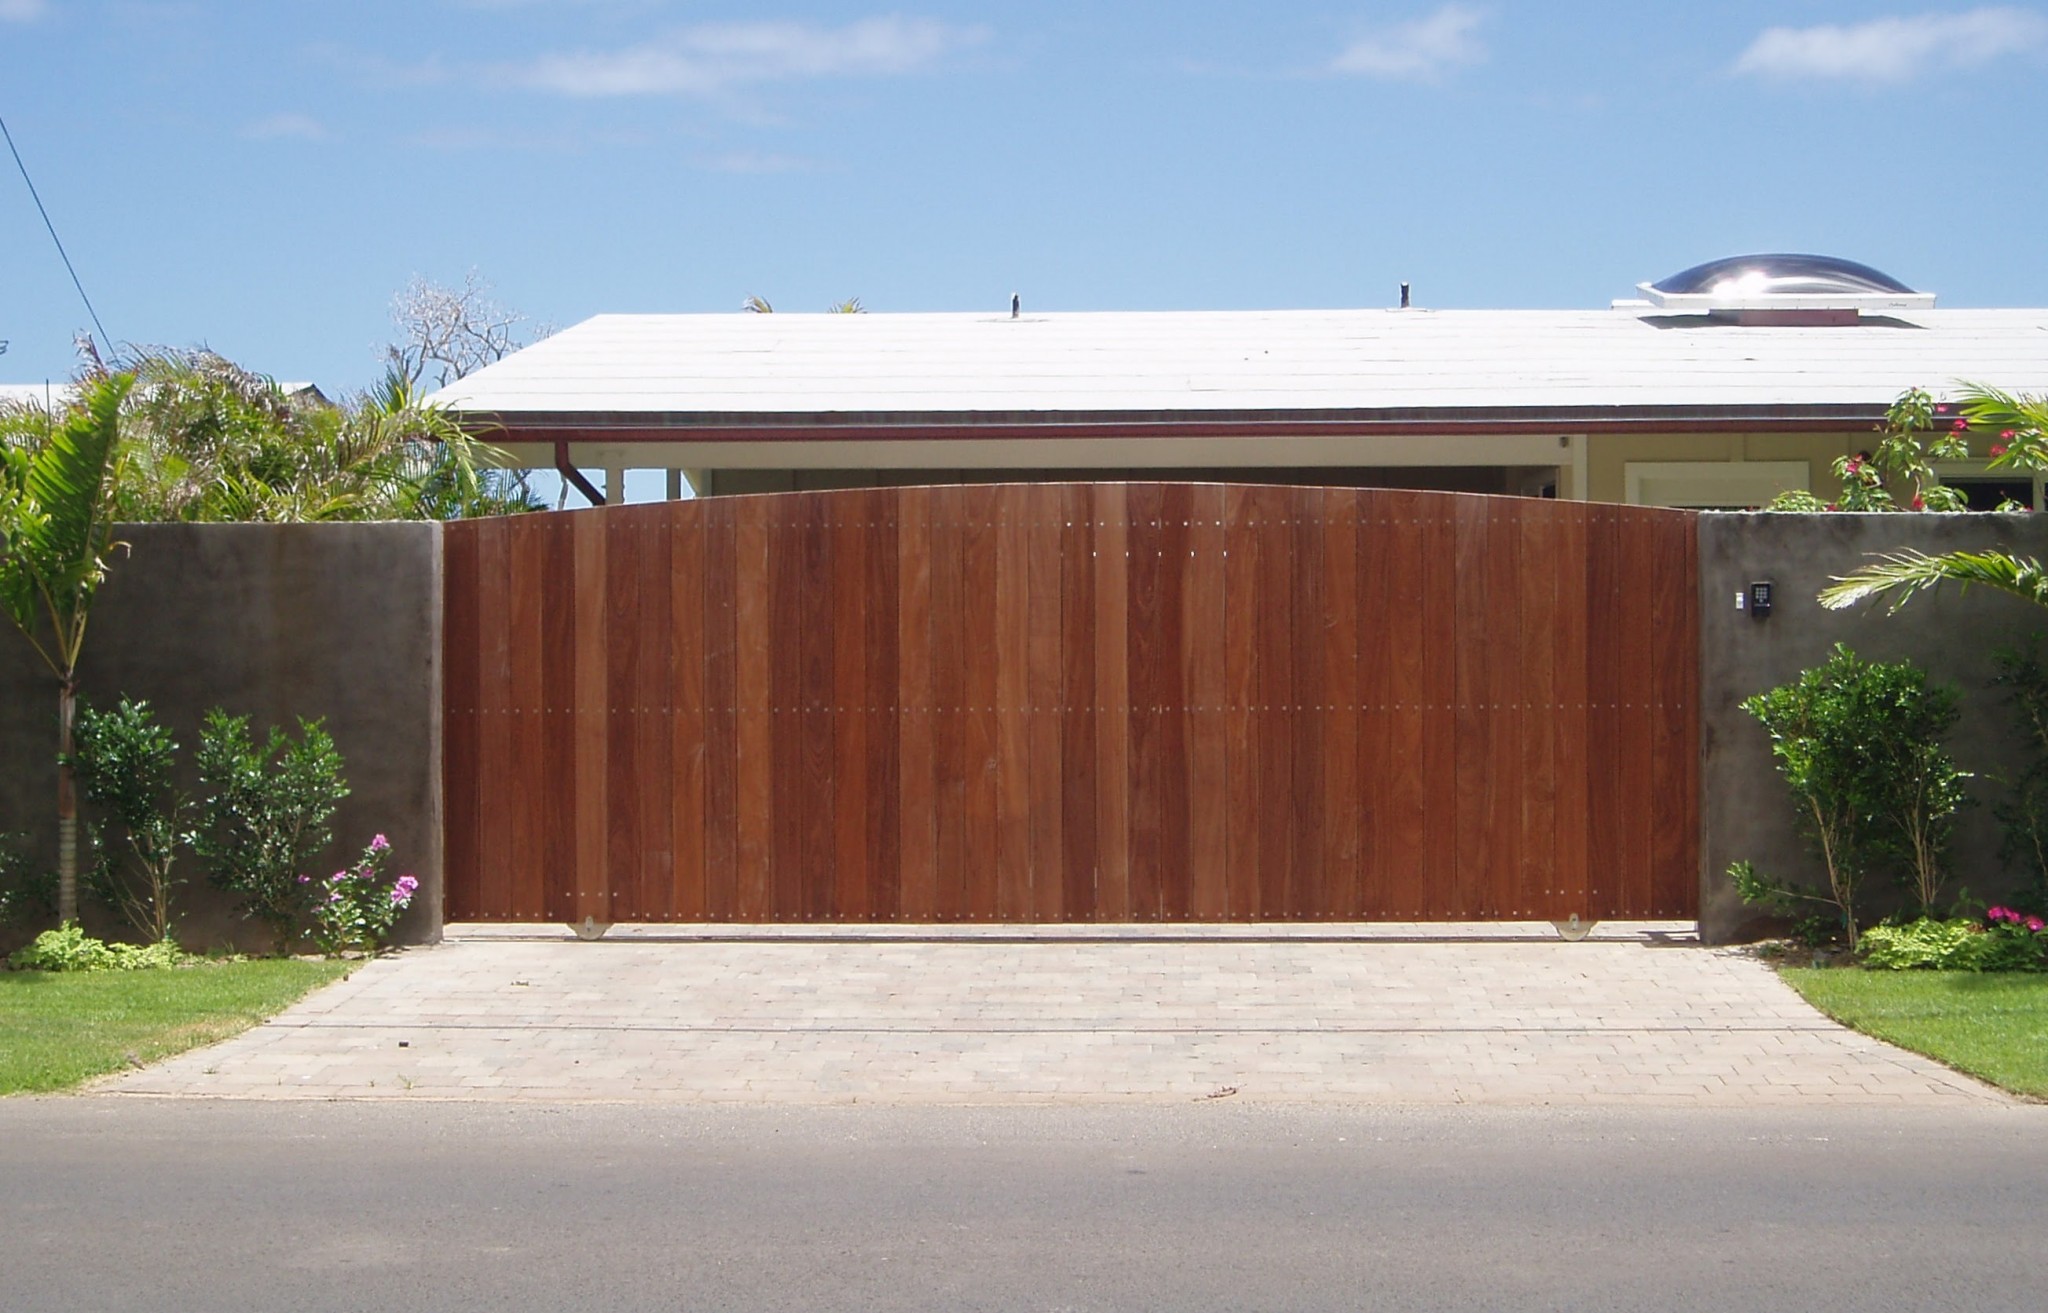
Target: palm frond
x=1903, y=574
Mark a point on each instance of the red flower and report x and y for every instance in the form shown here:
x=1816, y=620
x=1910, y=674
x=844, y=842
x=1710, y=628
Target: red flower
x=1997, y=449
x=2005, y=435
x=1961, y=424
x=1919, y=503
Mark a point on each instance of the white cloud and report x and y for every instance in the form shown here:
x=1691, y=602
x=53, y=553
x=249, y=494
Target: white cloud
x=286, y=127
x=1419, y=51
x=22, y=11
x=713, y=57
x=1893, y=49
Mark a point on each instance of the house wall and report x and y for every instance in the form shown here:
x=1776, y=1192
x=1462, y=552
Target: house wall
x=277, y=622
x=1747, y=813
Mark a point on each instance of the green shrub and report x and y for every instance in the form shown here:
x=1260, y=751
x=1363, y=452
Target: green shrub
x=265, y=814
x=1858, y=743
x=1958, y=944
x=26, y=894
x=2024, y=811
x=69, y=948
x=124, y=762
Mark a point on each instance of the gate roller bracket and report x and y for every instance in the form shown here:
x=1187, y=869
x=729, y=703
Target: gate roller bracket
x=590, y=928
x=1571, y=929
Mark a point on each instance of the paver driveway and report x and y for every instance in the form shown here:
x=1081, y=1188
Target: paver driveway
x=1459, y=1014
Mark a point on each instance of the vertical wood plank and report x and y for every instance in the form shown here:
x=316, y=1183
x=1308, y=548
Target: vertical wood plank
x=687, y=737
x=755, y=729
x=624, y=636
x=851, y=525
x=814, y=883
x=721, y=710
x=1502, y=695
x=980, y=549
x=461, y=666
x=1011, y=657
x=1674, y=652
x=882, y=779
x=1605, y=860
x=1536, y=848
x=1241, y=695
x=949, y=680
x=1388, y=754
x=1112, y=701
x=1565, y=890
x=916, y=763
x=593, y=887
x=559, y=802
x=1339, y=718
x=1047, y=828
x=522, y=781
x=1307, y=891
x=1274, y=518
x=1203, y=660
x=1637, y=692
x=494, y=714
x=786, y=622
x=1443, y=658
x=1081, y=844
x=1142, y=664
x=1176, y=820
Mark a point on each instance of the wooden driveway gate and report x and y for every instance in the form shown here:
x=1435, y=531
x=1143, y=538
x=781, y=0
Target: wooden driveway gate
x=1079, y=702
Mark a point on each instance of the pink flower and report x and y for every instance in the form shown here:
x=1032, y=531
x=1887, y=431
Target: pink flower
x=2005, y=435
x=305, y=879
x=380, y=844
x=1998, y=449
x=1854, y=466
x=1919, y=503
x=2036, y=924
x=1941, y=410
x=1961, y=425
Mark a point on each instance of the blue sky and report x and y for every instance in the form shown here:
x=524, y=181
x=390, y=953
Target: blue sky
x=263, y=177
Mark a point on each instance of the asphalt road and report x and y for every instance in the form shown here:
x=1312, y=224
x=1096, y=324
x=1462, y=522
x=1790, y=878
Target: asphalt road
x=120, y=1203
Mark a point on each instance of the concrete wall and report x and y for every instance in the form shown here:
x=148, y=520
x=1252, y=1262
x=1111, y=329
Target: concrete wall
x=1747, y=812
x=341, y=621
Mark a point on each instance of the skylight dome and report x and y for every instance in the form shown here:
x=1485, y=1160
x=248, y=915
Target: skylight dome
x=1783, y=283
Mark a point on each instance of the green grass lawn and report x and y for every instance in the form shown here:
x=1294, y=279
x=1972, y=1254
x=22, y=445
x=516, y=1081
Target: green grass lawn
x=57, y=1029
x=1993, y=1026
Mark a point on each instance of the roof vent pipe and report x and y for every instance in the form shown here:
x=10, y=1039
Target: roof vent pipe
x=1404, y=296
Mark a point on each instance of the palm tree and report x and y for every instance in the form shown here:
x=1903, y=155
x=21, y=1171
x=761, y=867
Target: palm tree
x=57, y=501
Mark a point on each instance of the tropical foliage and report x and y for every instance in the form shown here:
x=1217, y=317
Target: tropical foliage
x=212, y=441
x=1859, y=745
x=2021, y=425
x=58, y=480
x=1897, y=474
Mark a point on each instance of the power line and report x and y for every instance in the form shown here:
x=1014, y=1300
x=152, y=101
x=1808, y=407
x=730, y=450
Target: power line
x=105, y=340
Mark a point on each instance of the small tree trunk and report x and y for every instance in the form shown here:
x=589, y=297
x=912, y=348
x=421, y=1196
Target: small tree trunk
x=67, y=807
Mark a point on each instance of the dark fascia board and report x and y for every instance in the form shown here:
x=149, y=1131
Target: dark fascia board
x=698, y=426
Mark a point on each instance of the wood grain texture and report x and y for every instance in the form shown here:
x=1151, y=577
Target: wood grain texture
x=1044, y=703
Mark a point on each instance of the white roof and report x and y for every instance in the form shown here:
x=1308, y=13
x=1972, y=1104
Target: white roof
x=39, y=395
x=1222, y=361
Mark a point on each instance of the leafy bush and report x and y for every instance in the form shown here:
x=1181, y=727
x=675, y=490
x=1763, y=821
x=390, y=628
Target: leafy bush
x=124, y=762
x=2024, y=811
x=26, y=894
x=1858, y=744
x=69, y=948
x=1960, y=944
x=1898, y=473
x=265, y=814
x=357, y=907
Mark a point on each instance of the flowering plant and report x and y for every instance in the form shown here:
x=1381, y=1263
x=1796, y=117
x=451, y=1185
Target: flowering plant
x=356, y=907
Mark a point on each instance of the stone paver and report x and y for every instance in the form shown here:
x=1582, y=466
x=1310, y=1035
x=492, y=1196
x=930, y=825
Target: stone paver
x=1466, y=1014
